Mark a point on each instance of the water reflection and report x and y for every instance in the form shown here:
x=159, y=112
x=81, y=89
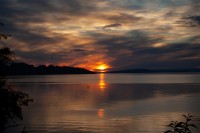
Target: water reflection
x=102, y=86
x=102, y=83
x=101, y=113
x=107, y=108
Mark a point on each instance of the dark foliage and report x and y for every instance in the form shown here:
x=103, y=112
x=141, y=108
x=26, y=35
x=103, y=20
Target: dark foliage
x=6, y=56
x=181, y=127
x=11, y=101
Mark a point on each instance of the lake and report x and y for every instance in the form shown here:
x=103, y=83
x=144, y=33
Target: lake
x=108, y=103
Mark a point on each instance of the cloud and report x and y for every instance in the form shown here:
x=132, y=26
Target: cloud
x=123, y=18
x=128, y=34
x=135, y=49
x=112, y=25
x=192, y=21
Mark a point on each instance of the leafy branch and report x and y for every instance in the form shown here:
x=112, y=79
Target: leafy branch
x=181, y=127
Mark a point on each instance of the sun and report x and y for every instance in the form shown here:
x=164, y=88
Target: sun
x=102, y=67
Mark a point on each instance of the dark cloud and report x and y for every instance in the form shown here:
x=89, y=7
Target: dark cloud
x=124, y=18
x=124, y=47
x=41, y=7
x=79, y=50
x=19, y=16
x=30, y=37
x=41, y=11
x=191, y=21
x=41, y=56
x=135, y=49
x=131, y=39
x=112, y=25
x=191, y=17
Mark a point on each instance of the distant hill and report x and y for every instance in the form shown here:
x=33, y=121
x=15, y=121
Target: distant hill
x=27, y=69
x=157, y=71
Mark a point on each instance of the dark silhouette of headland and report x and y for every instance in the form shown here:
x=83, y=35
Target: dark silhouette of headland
x=27, y=69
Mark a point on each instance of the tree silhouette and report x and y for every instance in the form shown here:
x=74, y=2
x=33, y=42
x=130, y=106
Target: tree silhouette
x=11, y=101
x=181, y=127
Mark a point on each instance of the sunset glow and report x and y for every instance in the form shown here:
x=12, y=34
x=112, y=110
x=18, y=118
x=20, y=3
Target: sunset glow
x=102, y=67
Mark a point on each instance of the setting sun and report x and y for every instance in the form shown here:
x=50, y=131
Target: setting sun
x=102, y=67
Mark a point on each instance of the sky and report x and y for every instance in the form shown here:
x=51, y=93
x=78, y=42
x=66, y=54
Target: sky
x=122, y=34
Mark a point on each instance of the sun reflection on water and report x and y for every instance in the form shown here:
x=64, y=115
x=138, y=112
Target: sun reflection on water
x=101, y=113
x=102, y=83
x=102, y=86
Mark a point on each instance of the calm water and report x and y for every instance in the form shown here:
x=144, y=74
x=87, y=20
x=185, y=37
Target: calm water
x=108, y=103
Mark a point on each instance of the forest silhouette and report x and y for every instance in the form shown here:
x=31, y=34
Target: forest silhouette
x=26, y=69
